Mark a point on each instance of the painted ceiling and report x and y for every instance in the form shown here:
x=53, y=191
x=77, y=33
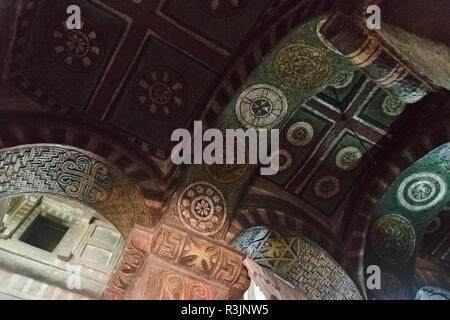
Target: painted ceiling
x=143, y=68
x=412, y=211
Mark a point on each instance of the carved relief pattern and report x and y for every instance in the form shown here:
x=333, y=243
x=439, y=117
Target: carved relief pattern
x=177, y=287
x=125, y=274
x=302, y=66
x=298, y=261
x=200, y=255
x=85, y=179
x=69, y=172
x=169, y=244
x=393, y=238
x=230, y=266
x=202, y=208
x=197, y=255
x=77, y=50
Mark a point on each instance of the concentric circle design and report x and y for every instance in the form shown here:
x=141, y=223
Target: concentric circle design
x=161, y=92
x=285, y=160
x=393, y=238
x=343, y=79
x=301, y=66
x=80, y=50
x=300, y=134
x=202, y=208
x=348, y=158
x=327, y=187
x=421, y=191
x=393, y=106
x=223, y=8
x=261, y=106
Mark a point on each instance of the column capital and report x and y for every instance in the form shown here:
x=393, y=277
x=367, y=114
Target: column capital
x=169, y=263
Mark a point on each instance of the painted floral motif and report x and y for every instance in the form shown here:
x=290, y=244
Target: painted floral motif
x=77, y=50
x=161, y=92
x=348, y=158
x=302, y=66
x=327, y=187
x=202, y=208
x=300, y=134
x=261, y=106
x=393, y=238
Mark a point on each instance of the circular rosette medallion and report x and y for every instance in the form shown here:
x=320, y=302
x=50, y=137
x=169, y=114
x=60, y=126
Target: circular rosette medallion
x=393, y=238
x=80, y=50
x=222, y=8
x=261, y=106
x=202, y=208
x=161, y=92
x=300, y=134
x=302, y=66
x=393, y=106
x=327, y=187
x=343, y=79
x=421, y=191
x=348, y=158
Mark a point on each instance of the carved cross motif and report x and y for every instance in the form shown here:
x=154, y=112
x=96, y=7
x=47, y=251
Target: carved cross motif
x=200, y=255
x=85, y=179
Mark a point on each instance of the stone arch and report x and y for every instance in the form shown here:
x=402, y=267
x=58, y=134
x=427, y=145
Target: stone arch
x=412, y=143
x=49, y=140
x=77, y=175
x=281, y=21
x=299, y=261
x=401, y=218
x=262, y=210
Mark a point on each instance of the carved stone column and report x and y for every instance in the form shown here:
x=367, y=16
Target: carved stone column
x=370, y=53
x=167, y=263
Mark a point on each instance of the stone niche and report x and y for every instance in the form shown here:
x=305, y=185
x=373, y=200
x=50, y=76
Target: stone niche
x=55, y=249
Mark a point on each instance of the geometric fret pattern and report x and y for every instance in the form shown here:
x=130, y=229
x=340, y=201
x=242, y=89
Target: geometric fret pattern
x=298, y=261
x=68, y=172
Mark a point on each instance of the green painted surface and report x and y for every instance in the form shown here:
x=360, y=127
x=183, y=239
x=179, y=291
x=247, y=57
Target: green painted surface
x=328, y=167
x=418, y=194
